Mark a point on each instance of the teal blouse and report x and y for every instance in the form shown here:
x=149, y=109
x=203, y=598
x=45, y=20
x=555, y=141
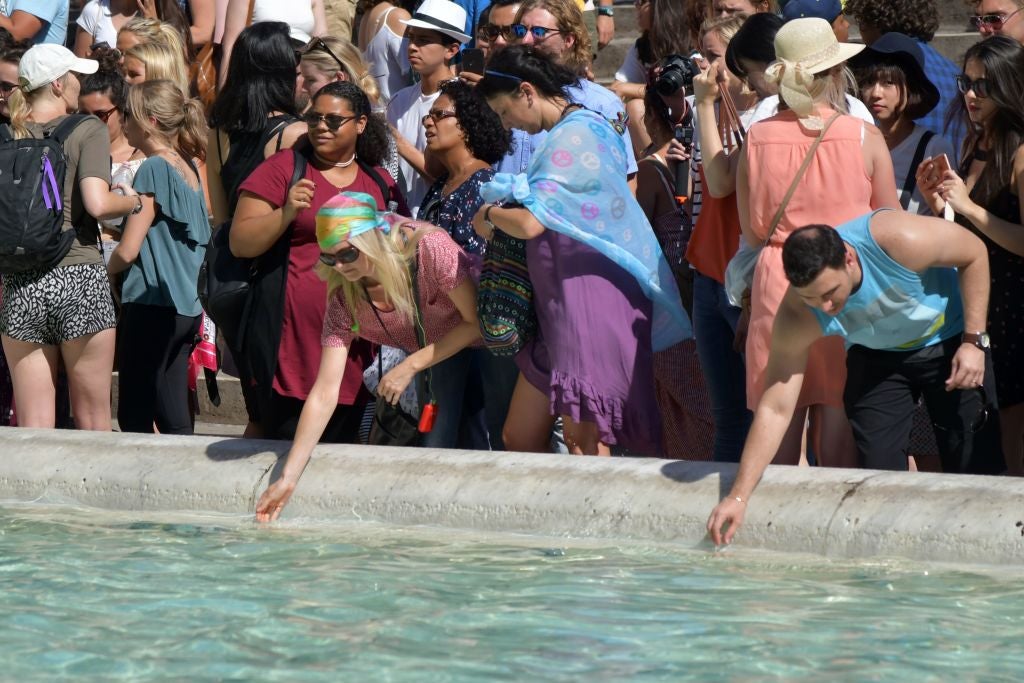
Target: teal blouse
x=168, y=264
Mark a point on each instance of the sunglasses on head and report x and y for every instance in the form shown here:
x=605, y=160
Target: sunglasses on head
x=343, y=257
x=319, y=44
x=332, y=121
x=993, y=22
x=538, y=32
x=980, y=86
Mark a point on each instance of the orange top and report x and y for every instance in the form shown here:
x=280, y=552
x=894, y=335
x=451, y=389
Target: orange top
x=716, y=236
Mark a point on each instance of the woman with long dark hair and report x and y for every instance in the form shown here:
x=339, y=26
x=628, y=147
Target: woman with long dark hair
x=346, y=146
x=986, y=198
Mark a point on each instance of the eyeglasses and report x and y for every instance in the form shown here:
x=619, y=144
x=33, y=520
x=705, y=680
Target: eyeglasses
x=438, y=115
x=7, y=88
x=102, y=115
x=538, y=32
x=492, y=31
x=319, y=44
x=979, y=421
x=993, y=22
x=332, y=121
x=980, y=86
x=343, y=257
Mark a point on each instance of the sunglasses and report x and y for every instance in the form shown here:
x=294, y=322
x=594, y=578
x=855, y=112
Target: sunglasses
x=332, y=121
x=538, y=32
x=102, y=115
x=980, y=418
x=7, y=88
x=437, y=116
x=492, y=31
x=343, y=257
x=319, y=44
x=980, y=86
x=993, y=22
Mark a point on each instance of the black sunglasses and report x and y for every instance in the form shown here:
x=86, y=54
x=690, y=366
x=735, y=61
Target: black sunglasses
x=332, y=121
x=319, y=44
x=980, y=86
x=343, y=257
x=102, y=115
x=979, y=421
x=7, y=88
x=492, y=31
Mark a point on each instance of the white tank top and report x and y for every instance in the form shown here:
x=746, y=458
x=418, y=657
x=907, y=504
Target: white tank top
x=297, y=14
x=388, y=59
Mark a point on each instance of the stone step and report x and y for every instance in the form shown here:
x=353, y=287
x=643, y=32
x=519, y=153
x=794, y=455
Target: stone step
x=231, y=410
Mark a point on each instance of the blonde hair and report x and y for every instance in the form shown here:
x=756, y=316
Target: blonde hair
x=20, y=106
x=568, y=19
x=725, y=27
x=156, y=31
x=353, y=65
x=830, y=87
x=160, y=108
x=390, y=254
x=162, y=63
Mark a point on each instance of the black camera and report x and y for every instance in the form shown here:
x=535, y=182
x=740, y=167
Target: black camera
x=677, y=74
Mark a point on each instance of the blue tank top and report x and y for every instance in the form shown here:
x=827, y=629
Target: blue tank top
x=895, y=308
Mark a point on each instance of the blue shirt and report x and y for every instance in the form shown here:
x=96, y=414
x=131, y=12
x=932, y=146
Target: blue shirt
x=592, y=96
x=53, y=14
x=473, y=10
x=165, y=272
x=942, y=73
x=894, y=308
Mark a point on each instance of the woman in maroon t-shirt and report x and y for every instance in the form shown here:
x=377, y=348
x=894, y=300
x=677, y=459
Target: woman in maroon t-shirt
x=341, y=128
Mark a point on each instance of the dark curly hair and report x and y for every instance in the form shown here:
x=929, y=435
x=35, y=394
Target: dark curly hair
x=915, y=18
x=372, y=143
x=485, y=137
x=108, y=79
x=810, y=250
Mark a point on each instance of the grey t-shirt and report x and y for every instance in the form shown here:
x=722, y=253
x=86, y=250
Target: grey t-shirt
x=88, y=156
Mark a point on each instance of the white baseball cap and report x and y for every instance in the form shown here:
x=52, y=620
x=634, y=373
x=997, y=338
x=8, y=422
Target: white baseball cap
x=45, y=63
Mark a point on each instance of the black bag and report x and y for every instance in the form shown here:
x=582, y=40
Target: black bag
x=225, y=280
x=32, y=170
x=392, y=426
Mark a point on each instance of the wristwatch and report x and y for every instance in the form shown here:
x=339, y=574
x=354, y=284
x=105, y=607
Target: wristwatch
x=979, y=339
x=487, y=220
x=606, y=11
x=138, y=207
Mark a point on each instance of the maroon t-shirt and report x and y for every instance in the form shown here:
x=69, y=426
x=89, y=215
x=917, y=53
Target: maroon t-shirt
x=305, y=298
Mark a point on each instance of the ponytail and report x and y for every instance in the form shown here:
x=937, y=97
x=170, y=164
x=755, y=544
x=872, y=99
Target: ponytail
x=160, y=108
x=193, y=133
x=20, y=110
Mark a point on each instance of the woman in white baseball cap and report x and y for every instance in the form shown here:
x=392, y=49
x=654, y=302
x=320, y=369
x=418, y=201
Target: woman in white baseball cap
x=65, y=310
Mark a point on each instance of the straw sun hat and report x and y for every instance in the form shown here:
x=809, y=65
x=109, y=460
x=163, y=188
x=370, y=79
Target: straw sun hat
x=804, y=47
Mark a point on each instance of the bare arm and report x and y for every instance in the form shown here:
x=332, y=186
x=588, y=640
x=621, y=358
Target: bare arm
x=517, y=221
x=204, y=16
x=794, y=332
x=257, y=223
x=320, y=19
x=134, y=235
x=743, y=201
x=100, y=202
x=234, y=21
x=465, y=333
x=411, y=154
x=292, y=133
x=719, y=168
x=1006, y=234
x=21, y=25
x=879, y=168
x=316, y=413
x=83, y=40
x=216, y=146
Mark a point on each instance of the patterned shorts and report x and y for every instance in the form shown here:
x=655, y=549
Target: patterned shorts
x=50, y=307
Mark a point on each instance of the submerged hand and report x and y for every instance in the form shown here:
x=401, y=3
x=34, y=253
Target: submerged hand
x=729, y=512
x=273, y=500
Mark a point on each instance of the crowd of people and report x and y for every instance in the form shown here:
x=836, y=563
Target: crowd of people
x=762, y=243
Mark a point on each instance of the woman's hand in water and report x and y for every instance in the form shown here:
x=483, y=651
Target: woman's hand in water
x=273, y=500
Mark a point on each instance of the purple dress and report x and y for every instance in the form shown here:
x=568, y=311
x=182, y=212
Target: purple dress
x=593, y=355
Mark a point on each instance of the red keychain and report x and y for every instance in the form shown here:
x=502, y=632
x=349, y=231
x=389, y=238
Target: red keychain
x=427, y=418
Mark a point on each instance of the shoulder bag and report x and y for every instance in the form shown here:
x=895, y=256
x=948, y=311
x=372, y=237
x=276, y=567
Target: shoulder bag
x=739, y=274
x=504, y=300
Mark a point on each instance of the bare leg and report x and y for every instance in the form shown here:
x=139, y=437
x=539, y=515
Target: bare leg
x=832, y=437
x=1011, y=421
x=90, y=362
x=529, y=422
x=581, y=438
x=34, y=375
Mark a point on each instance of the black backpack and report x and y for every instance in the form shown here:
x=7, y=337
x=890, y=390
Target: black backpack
x=32, y=174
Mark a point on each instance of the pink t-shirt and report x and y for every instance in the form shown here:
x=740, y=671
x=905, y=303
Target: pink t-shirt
x=442, y=267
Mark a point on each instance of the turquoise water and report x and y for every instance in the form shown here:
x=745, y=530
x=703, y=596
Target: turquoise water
x=90, y=595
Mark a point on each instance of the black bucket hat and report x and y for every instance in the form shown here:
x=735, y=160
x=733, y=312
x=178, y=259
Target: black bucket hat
x=908, y=54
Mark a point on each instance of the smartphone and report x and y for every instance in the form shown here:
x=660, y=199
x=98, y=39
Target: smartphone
x=941, y=162
x=473, y=60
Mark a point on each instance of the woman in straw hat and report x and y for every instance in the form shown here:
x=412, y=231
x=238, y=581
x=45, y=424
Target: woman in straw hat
x=849, y=174
x=365, y=258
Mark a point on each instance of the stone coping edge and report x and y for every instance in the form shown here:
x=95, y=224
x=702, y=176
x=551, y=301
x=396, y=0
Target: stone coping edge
x=828, y=512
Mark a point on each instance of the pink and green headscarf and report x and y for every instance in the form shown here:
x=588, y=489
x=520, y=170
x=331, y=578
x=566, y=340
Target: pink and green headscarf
x=347, y=215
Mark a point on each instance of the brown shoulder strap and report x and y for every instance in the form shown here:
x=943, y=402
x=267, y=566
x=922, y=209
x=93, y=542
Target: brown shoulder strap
x=799, y=175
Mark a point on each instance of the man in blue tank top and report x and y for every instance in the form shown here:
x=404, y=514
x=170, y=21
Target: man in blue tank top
x=909, y=294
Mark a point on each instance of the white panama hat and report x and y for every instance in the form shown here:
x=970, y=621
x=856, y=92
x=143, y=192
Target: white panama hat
x=443, y=16
x=45, y=63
